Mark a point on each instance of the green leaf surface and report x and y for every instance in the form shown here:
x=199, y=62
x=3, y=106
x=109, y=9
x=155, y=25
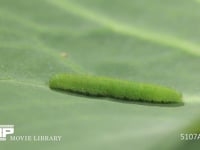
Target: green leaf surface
x=145, y=41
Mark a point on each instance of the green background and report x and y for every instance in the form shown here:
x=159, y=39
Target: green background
x=149, y=41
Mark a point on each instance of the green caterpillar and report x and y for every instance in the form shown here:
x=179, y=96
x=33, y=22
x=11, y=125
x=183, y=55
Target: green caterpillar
x=114, y=88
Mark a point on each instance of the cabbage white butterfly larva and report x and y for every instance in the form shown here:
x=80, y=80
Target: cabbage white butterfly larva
x=114, y=88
